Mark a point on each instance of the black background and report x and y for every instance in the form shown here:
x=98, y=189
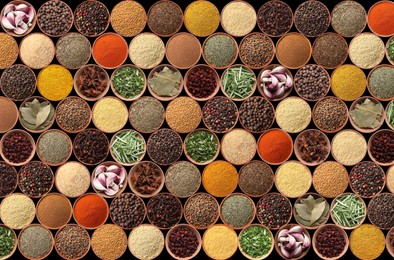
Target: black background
x=220, y=4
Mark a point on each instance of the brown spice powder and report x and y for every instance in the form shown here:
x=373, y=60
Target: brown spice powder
x=183, y=50
x=54, y=211
x=293, y=50
x=8, y=115
x=330, y=179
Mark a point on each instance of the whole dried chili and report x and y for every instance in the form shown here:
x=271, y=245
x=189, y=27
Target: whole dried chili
x=146, y=177
x=92, y=81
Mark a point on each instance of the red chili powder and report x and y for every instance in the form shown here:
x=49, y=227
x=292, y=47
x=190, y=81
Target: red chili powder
x=275, y=146
x=90, y=211
x=110, y=50
x=381, y=18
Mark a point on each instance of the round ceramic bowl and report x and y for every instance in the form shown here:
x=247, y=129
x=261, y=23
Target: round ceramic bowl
x=321, y=229
x=373, y=136
x=297, y=148
x=286, y=199
x=389, y=245
x=118, y=94
x=369, y=216
x=172, y=62
x=15, y=108
x=333, y=217
x=167, y=35
x=265, y=64
x=377, y=193
x=29, y=221
x=259, y=82
x=230, y=230
x=19, y=244
x=95, y=163
x=16, y=180
x=38, y=150
x=369, y=11
x=271, y=173
x=33, y=22
x=258, y=151
x=81, y=129
x=217, y=213
x=173, y=229
x=369, y=85
x=188, y=155
x=277, y=247
x=300, y=65
x=363, y=27
x=125, y=119
x=36, y=196
x=159, y=68
x=359, y=101
x=179, y=138
x=180, y=215
x=235, y=56
x=226, y=29
x=89, y=35
x=132, y=186
x=243, y=110
x=186, y=81
x=65, y=257
x=328, y=87
x=279, y=35
x=71, y=25
x=69, y=204
x=75, y=203
x=386, y=50
x=121, y=189
x=32, y=73
x=325, y=34
x=263, y=256
x=15, y=242
x=77, y=82
x=253, y=86
x=113, y=34
x=299, y=29
x=113, y=153
x=71, y=68
x=251, y=219
x=315, y=196
x=28, y=137
x=335, y=130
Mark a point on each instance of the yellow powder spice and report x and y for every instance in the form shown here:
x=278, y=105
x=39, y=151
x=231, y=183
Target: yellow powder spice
x=293, y=114
x=238, y=18
x=220, y=242
x=8, y=49
x=128, y=18
x=17, y=211
x=293, y=179
x=201, y=18
x=348, y=82
x=348, y=147
x=110, y=114
x=55, y=82
x=390, y=179
x=367, y=242
x=330, y=179
x=220, y=178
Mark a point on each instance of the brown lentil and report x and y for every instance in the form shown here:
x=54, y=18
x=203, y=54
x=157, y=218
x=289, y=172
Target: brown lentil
x=330, y=50
x=73, y=114
x=109, y=242
x=201, y=210
x=256, y=178
x=256, y=50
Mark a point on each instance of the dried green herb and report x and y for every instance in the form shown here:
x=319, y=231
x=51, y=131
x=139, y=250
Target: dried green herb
x=238, y=82
x=367, y=114
x=7, y=241
x=36, y=115
x=166, y=82
x=201, y=146
x=310, y=211
x=348, y=210
x=255, y=241
x=390, y=114
x=390, y=49
x=128, y=82
x=128, y=147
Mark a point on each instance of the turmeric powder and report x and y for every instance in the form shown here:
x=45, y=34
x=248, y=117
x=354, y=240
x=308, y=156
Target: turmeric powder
x=348, y=82
x=202, y=18
x=367, y=242
x=220, y=242
x=220, y=178
x=54, y=82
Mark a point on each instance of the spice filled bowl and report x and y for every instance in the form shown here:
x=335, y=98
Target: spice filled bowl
x=18, y=82
x=164, y=210
x=127, y=210
x=220, y=114
x=17, y=147
x=366, y=114
x=390, y=241
x=311, y=211
x=256, y=242
x=379, y=211
x=256, y=178
x=91, y=12
x=165, y=82
x=348, y=211
x=220, y=50
x=312, y=147
x=389, y=115
x=146, y=179
x=146, y=114
x=127, y=147
x=201, y=146
x=90, y=211
x=330, y=114
x=379, y=83
x=110, y=50
x=72, y=242
x=289, y=248
x=293, y=50
x=54, y=147
x=367, y=179
x=128, y=82
x=8, y=15
x=274, y=210
x=238, y=146
x=10, y=242
x=165, y=25
x=330, y=242
x=201, y=82
x=73, y=114
x=201, y=210
x=109, y=179
x=238, y=82
x=390, y=50
x=91, y=146
x=256, y=50
x=312, y=82
x=35, y=242
x=110, y=114
x=275, y=82
x=36, y=114
x=182, y=179
x=267, y=21
x=293, y=179
x=183, y=242
x=237, y=211
x=9, y=116
x=54, y=210
x=256, y=114
x=55, y=18
x=380, y=147
x=270, y=150
x=220, y=242
x=77, y=56
x=91, y=82
x=9, y=175
x=35, y=179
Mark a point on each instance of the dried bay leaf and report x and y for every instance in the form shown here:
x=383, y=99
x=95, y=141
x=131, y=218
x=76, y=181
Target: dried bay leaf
x=367, y=114
x=317, y=212
x=311, y=211
x=303, y=211
x=28, y=115
x=166, y=82
x=42, y=115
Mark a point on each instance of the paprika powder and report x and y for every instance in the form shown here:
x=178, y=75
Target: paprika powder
x=275, y=146
x=110, y=50
x=381, y=18
x=90, y=211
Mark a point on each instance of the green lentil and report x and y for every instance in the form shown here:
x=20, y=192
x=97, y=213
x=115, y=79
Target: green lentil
x=201, y=146
x=256, y=241
x=128, y=147
x=220, y=51
x=128, y=82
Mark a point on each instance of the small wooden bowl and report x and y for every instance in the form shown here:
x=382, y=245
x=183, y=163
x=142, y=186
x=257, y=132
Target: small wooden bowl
x=332, y=214
x=332, y=151
x=251, y=219
x=174, y=228
x=148, y=151
x=78, y=73
x=133, y=189
x=16, y=181
x=259, y=81
x=32, y=73
x=298, y=130
x=292, y=19
x=258, y=141
x=310, y=50
x=369, y=11
x=389, y=170
x=299, y=29
x=328, y=87
x=216, y=76
x=158, y=62
x=343, y=234
x=271, y=172
x=389, y=247
x=71, y=25
x=365, y=22
x=368, y=212
x=358, y=101
x=261, y=257
x=315, y=196
x=386, y=115
x=38, y=196
x=75, y=203
x=102, y=193
x=33, y=22
x=116, y=197
x=15, y=110
x=386, y=50
x=57, y=47
x=325, y=34
x=57, y=194
x=19, y=244
x=57, y=119
x=129, y=18
x=205, y=123
x=166, y=178
x=297, y=150
x=113, y=34
x=226, y=29
x=253, y=86
x=161, y=247
x=119, y=95
x=91, y=164
x=235, y=56
x=135, y=103
x=79, y=29
x=162, y=35
x=41, y=100
x=278, y=250
x=113, y=154
x=31, y=141
x=369, y=85
x=80, y=257
x=158, y=69
x=324, y=130
x=38, y=150
x=288, y=201
x=15, y=242
x=370, y=144
x=37, y=66
x=57, y=170
x=241, y=109
x=367, y=197
x=217, y=225
x=181, y=213
x=30, y=220
x=190, y=158
x=273, y=50
x=376, y=64
x=217, y=213
x=225, y=155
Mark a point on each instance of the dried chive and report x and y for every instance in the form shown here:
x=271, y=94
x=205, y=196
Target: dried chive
x=201, y=146
x=238, y=82
x=128, y=147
